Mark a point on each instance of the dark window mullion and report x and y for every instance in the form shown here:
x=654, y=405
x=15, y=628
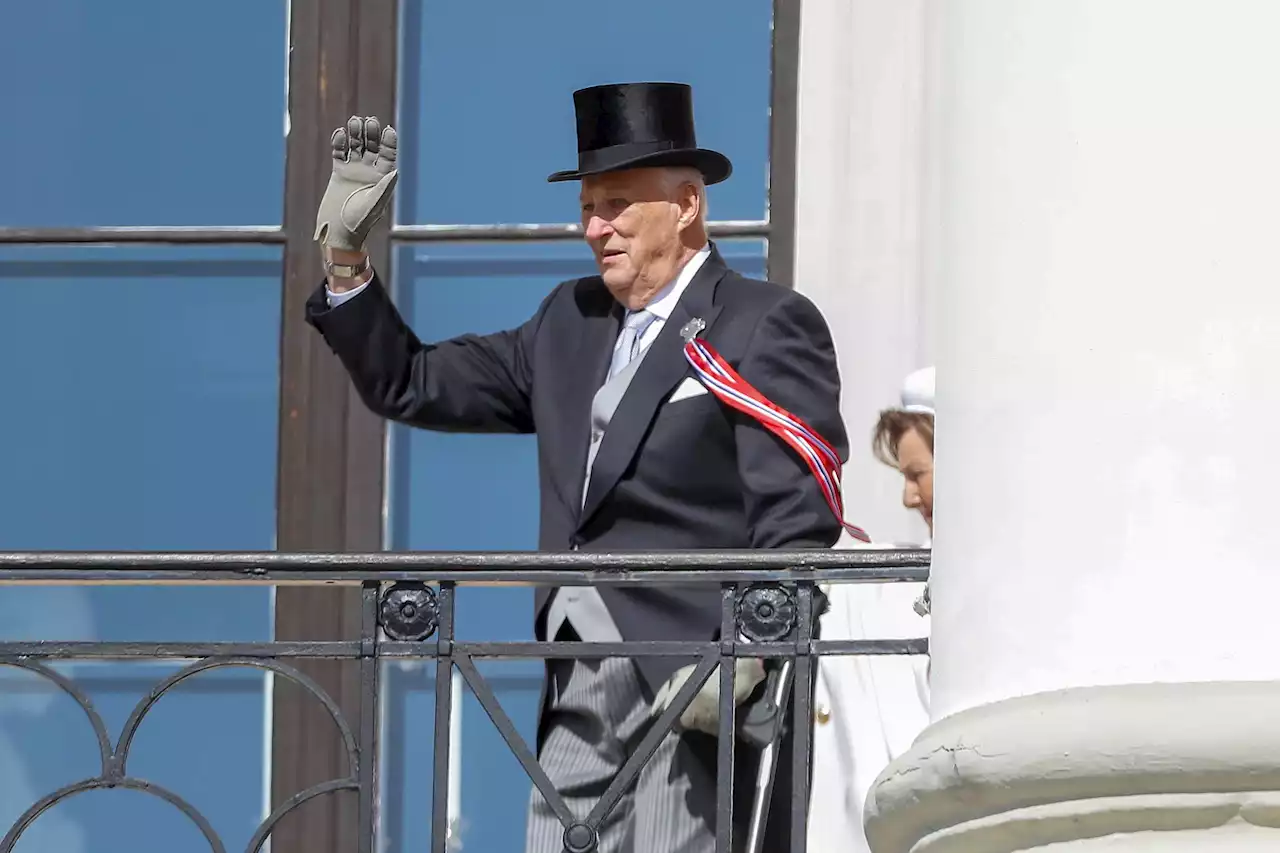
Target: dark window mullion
x=783, y=99
x=330, y=470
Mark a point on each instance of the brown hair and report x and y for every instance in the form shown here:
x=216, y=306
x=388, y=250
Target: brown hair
x=892, y=426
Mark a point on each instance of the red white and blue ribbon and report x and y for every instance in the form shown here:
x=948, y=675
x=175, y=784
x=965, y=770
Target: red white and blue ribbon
x=736, y=392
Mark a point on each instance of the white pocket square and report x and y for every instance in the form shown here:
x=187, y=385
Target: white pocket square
x=690, y=387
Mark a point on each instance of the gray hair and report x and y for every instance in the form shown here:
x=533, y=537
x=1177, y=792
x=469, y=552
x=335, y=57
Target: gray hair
x=673, y=177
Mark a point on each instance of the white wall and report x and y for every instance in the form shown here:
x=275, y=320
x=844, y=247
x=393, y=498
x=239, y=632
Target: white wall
x=862, y=186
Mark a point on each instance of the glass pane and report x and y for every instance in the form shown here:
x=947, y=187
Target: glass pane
x=146, y=410
x=145, y=112
x=146, y=417
x=477, y=492
x=480, y=136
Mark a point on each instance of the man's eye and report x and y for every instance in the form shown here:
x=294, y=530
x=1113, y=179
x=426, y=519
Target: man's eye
x=619, y=202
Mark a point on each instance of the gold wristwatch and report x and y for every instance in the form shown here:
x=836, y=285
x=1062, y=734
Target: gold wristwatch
x=333, y=270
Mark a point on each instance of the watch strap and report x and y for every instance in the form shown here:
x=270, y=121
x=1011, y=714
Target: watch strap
x=333, y=270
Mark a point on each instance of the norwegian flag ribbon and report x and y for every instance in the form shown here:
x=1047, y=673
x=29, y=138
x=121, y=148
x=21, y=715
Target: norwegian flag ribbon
x=732, y=390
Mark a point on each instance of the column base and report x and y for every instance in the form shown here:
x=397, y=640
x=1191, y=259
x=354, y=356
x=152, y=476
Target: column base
x=1121, y=769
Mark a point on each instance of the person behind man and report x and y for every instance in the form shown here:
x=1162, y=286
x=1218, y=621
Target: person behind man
x=903, y=439
x=869, y=709
x=633, y=452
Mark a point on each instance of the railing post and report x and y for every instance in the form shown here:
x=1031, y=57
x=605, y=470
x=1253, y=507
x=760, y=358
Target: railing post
x=370, y=687
x=444, y=708
x=803, y=720
x=728, y=718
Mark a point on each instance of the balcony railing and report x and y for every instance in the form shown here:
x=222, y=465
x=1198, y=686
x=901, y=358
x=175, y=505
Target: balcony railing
x=407, y=612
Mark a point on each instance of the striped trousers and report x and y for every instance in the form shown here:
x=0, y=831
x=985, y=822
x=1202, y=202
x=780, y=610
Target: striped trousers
x=595, y=715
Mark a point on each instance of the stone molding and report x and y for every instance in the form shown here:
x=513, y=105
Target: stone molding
x=1089, y=763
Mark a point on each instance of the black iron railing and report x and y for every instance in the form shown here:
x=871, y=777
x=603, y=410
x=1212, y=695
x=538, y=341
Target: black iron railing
x=768, y=610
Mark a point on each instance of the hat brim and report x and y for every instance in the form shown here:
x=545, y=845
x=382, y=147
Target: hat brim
x=714, y=166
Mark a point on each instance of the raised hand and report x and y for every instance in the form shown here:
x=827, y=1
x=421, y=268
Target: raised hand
x=359, y=191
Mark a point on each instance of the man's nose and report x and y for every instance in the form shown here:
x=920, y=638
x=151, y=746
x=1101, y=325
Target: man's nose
x=598, y=228
x=910, y=496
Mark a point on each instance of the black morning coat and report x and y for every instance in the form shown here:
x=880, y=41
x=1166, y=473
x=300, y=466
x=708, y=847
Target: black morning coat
x=690, y=474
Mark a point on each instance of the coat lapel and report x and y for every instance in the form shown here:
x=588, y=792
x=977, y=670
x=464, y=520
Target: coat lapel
x=662, y=369
x=589, y=348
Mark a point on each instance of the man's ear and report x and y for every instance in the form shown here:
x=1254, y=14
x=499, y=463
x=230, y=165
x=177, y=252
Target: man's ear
x=690, y=201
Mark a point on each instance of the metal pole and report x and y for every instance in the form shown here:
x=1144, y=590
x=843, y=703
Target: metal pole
x=769, y=762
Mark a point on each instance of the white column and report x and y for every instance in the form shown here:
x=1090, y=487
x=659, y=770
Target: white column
x=861, y=184
x=1105, y=671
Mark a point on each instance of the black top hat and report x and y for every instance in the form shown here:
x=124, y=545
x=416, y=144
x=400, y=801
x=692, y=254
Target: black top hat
x=639, y=125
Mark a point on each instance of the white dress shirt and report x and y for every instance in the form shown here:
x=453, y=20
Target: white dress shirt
x=664, y=302
x=336, y=299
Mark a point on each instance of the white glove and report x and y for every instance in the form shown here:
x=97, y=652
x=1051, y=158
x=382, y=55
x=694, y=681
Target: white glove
x=703, y=713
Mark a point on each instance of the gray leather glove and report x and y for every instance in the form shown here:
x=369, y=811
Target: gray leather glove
x=703, y=713
x=359, y=191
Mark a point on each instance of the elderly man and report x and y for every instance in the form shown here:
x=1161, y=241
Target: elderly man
x=633, y=452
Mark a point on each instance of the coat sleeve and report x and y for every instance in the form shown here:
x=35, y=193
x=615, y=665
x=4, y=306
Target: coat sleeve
x=471, y=383
x=791, y=360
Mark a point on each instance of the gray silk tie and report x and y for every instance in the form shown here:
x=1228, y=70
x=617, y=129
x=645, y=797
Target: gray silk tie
x=628, y=345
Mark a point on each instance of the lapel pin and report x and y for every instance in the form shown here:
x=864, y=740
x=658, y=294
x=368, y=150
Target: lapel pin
x=691, y=329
